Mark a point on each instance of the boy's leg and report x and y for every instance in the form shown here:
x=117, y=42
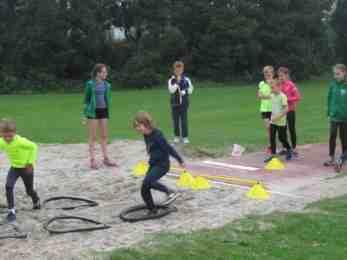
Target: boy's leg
x=28, y=179
x=291, y=126
x=184, y=121
x=12, y=177
x=151, y=181
x=343, y=136
x=332, y=139
x=175, y=120
x=282, y=134
x=273, y=131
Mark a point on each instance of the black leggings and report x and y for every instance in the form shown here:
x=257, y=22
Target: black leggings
x=334, y=128
x=28, y=179
x=151, y=181
x=180, y=120
x=282, y=134
x=291, y=126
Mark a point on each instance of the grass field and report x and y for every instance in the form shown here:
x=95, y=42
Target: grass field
x=318, y=234
x=219, y=116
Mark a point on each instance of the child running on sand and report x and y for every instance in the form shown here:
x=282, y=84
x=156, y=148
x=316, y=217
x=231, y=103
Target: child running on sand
x=22, y=154
x=159, y=151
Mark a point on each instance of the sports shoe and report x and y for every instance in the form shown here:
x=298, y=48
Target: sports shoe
x=172, y=196
x=176, y=140
x=186, y=140
x=11, y=217
x=289, y=155
x=37, y=205
x=338, y=165
x=329, y=163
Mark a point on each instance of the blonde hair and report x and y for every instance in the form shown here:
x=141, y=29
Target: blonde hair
x=143, y=118
x=7, y=125
x=269, y=68
x=341, y=67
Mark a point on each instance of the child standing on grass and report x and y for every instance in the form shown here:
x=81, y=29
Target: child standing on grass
x=22, y=154
x=278, y=120
x=264, y=94
x=97, y=102
x=337, y=112
x=159, y=151
x=180, y=87
x=293, y=96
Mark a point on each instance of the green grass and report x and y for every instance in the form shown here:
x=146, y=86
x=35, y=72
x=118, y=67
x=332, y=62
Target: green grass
x=219, y=116
x=317, y=234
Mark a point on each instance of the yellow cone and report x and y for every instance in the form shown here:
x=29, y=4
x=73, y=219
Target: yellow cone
x=201, y=183
x=186, y=180
x=258, y=192
x=275, y=164
x=140, y=169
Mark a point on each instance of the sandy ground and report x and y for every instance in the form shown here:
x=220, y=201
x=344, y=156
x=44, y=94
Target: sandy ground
x=63, y=170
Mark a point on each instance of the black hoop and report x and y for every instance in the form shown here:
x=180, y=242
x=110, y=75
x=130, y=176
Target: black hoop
x=162, y=212
x=88, y=203
x=100, y=226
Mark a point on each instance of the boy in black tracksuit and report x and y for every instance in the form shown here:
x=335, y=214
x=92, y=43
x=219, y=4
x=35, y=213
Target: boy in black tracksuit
x=159, y=163
x=180, y=88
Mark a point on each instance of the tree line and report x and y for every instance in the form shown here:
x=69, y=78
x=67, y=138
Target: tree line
x=48, y=44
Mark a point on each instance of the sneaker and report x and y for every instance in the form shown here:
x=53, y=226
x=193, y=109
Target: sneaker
x=289, y=155
x=268, y=159
x=329, y=163
x=186, y=140
x=176, y=140
x=282, y=152
x=172, y=196
x=11, y=216
x=338, y=165
x=37, y=205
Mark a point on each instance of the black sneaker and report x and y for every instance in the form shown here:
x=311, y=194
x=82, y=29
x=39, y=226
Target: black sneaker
x=289, y=155
x=37, y=205
x=338, y=165
x=329, y=163
x=11, y=217
x=172, y=196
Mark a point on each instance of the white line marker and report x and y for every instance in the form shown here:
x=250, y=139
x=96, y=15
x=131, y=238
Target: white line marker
x=233, y=166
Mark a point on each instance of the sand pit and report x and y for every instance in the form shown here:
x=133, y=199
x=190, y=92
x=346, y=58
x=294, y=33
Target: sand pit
x=62, y=170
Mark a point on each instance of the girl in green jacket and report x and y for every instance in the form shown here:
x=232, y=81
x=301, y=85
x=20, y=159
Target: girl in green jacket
x=337, y=111
x=97, y=102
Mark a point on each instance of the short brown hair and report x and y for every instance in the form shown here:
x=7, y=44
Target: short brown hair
x=283, y=70
x=143, y=118
x=341, y=67
x=7, y=125
x=97, y=69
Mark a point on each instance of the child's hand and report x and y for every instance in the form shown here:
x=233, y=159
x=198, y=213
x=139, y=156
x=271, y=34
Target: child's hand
x=29, y=168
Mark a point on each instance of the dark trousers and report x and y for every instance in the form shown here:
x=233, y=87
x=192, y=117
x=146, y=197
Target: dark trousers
x=151, y=181
x=282, y=135
x=335, y=127
x=180, y=120
x=28, y=179
x=291, y=127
